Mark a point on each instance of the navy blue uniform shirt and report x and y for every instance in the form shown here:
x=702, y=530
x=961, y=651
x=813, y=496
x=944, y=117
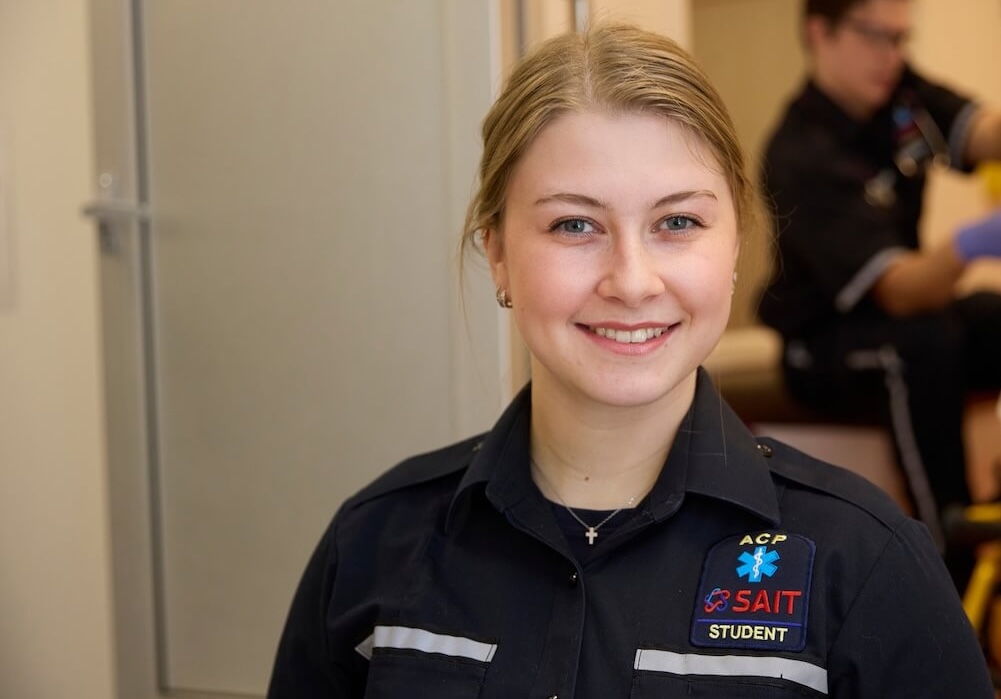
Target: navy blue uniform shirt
x=750, y=570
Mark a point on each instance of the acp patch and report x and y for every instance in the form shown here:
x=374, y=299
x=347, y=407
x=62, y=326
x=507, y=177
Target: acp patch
x=755, y=592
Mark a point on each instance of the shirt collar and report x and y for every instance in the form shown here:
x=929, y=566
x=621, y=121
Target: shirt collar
x=713, y=455
x=722, y=456
x=820, y=107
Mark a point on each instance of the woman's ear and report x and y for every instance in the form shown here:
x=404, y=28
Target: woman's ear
x=494, y=247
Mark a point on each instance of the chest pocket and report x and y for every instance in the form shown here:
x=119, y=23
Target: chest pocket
x=659, y=673
x=407, y=662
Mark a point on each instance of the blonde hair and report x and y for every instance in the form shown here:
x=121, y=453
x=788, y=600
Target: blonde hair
x=613, y=67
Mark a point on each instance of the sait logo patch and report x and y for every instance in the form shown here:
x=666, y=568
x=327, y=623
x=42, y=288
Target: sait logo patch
x=755, y=592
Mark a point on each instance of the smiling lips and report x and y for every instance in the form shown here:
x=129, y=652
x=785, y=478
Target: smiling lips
x=627, y=337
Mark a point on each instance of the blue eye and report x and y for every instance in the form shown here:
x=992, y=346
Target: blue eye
x=573, y=226
x=680, y=223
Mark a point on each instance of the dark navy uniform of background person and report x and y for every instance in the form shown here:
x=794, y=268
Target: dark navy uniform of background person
x=848, y=199
x=750, y=570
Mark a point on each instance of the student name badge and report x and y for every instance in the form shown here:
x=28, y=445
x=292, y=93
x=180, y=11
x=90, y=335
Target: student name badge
x=754, y=593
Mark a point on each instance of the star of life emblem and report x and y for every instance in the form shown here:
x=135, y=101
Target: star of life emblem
x=762, y=562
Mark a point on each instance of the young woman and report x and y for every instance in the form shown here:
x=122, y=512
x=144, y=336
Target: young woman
x=619, y=533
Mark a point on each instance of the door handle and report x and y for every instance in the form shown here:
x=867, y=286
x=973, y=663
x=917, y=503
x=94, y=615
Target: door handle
x=110, y=214
x=116, y=211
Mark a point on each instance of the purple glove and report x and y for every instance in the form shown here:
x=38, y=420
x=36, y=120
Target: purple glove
x=980, y=239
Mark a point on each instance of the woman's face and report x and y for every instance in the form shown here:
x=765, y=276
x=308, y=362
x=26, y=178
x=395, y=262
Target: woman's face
x=617, y=246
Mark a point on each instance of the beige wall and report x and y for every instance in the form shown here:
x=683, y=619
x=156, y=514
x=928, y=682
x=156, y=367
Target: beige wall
x=670, y=17
x=55, y=624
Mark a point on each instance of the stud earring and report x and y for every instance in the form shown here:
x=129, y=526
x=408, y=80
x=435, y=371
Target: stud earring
x=503, y=300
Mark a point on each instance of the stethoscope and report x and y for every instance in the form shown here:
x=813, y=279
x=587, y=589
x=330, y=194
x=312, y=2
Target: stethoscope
x=919, y=140
x=920, y=143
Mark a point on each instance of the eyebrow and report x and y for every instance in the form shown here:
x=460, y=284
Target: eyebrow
x=571, y=198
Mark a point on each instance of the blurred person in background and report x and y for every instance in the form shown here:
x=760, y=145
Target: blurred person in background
x=871, y=320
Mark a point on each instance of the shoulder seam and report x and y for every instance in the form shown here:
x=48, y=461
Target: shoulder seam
x=891, y=519
x=419, y=469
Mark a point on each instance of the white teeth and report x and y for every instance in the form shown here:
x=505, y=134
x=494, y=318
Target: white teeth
x=627, y=336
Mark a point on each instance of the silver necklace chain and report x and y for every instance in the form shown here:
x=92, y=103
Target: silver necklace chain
x=590, y=531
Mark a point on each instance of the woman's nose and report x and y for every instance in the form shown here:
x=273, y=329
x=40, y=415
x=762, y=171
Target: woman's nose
x=631, y=273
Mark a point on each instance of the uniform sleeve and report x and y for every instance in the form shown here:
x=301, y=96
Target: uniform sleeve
x=906, y=635
x=305, y=667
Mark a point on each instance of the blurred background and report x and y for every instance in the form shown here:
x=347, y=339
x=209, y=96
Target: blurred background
x=229, y=292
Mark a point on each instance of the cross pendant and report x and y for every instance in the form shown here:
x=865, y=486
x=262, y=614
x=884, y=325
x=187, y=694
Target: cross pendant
x=591, y=535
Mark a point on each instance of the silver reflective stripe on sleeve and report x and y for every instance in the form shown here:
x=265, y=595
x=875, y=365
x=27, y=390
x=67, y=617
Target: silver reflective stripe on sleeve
x=798, y=671
x=407, y=638
x=863, y=280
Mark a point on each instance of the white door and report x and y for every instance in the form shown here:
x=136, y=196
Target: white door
x=281, y=193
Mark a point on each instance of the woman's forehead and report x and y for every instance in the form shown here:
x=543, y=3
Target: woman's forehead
x=604, y=144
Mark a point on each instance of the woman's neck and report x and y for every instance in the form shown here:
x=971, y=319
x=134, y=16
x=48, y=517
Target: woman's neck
x=600, y=457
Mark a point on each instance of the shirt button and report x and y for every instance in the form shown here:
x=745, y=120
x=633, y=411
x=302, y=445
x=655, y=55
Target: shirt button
x=555, y=696
x=573, y=580
x=765, y=450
